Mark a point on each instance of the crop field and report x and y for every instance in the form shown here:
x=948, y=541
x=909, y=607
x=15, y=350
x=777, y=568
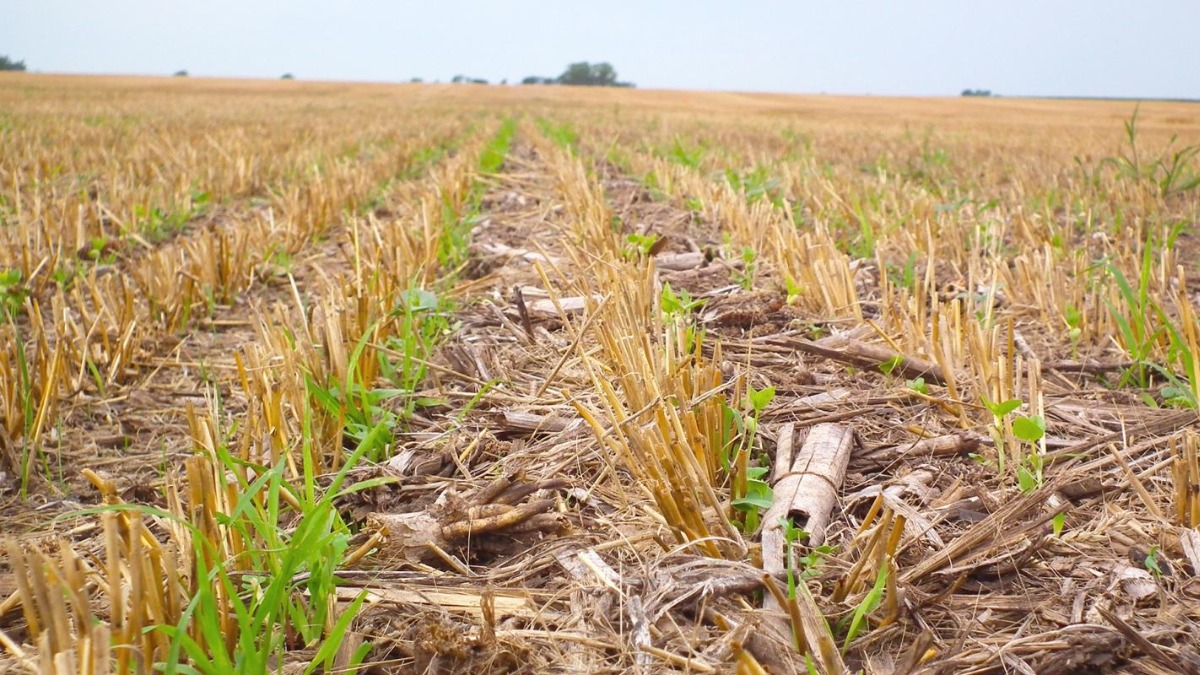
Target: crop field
x=312, y=377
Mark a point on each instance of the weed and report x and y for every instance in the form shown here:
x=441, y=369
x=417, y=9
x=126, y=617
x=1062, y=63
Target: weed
x=157, y=224
x=282, y=585
x=906, y=276
x=457, y=223
x=685, y=155
x=563, y=134
x=492, y=158
x=745, y=276
x=756, y=184
x=890, y=365
x=1171, y=172
x=1058, y=523
x=1133, y=317
x=999, y=412
x=869, y=603
x=356, y=402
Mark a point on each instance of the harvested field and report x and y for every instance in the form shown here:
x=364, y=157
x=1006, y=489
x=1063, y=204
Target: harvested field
x=305, y=377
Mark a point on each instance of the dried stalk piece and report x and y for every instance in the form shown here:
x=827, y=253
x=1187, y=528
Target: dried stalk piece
x=547, y=308
x=961, y=443
x=418, y=536
x=532, y=422
x=865, y=355
x=679, y=262
x=806, y=482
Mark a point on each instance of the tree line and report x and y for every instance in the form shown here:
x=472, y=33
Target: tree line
x=8, y=64
x=581, y=74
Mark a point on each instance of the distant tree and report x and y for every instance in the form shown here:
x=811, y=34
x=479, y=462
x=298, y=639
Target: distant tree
x=603, y=75
x=416, y=80
x=583, y=74
x=8, y=64
x=977, y=92
x=579, y=74
x=463, y=79
x=181, y=73
x=288, y=76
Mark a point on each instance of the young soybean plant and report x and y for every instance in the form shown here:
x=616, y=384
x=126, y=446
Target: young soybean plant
x=1029, y=429
x=751, y=493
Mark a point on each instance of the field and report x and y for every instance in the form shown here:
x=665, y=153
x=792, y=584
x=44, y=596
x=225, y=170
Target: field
x=314, y=377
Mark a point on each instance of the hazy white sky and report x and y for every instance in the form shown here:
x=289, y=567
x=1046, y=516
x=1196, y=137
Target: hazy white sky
x=1137, y=48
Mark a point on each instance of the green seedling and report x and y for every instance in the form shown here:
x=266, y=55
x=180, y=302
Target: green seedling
x=492, y=158
x=12, y=292
x=1074, y=319
x=456, y=225
x=1152, y=564
x=681, y=304
x=808, y=565
x=793, y=290
x=755, y=185
x=282, y=586
x=156, y=224
x=640, y=245
x=758, y=497
x=101, y=250
x=1138, y=336
x=1179, y=392
x=751, y=493
x=1171, y=172
x=745, y=276
x=424, y=323
x=686, y=156
x=889, y=366
x=1030, y=429
x=906, y=276
x=999, y=412
x=563, y=134
x=869, y=603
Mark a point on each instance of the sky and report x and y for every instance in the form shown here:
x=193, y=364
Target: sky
x=1117, y=48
